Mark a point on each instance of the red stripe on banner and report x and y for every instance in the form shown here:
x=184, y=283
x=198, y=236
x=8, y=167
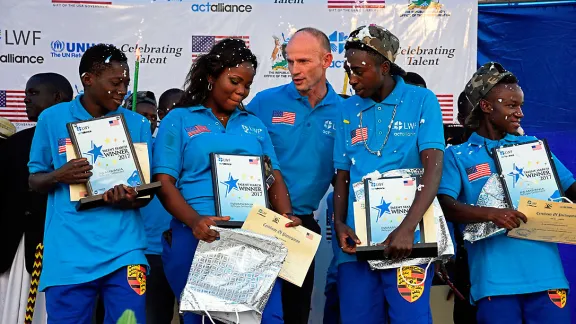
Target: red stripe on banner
x=357, y=6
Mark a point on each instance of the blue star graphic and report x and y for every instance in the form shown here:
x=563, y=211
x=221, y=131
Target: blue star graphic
x=230, y=184
x=516, y=174
x=95, y=152
x=384, y=207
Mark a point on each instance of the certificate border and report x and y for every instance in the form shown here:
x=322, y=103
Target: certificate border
x=367, y=207
x=72, y=133
x=499, y=167
x=216, y=188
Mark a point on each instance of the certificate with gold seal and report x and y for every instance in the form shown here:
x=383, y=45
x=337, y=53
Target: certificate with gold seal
x=239, y=182
x=527, y=170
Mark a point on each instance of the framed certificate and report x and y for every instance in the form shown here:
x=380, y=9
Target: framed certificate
x=239, y=183
x=387, y=202
x=107, y=145
x=527, y=170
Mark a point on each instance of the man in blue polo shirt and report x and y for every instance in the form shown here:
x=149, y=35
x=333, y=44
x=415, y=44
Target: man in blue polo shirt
x=513, y=280
x=100, y=250
x=300, y=118
x=387, y=125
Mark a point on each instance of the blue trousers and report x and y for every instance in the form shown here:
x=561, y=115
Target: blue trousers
x=177, y=258
x=380, y=297
x=123, y=289
x=535, y=308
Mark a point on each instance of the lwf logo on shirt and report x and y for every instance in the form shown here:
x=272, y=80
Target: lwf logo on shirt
x=404, y=128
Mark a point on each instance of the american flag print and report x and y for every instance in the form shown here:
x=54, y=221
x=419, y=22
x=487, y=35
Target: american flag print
x=536, y=147
x=203, y=44
x=12, y=106
x=283, y=117
x=358, y=135
x=253, y=161
x=309, y=236
x=447, y=106
x=62, y=142
x=409, y=182
x=198, y=129
x=478, y=171
x=114, y=122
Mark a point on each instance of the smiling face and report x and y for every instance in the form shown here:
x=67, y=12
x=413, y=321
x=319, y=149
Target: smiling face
x=502, y=107
x=108, y=87
x=365, y=74
x=231, y=87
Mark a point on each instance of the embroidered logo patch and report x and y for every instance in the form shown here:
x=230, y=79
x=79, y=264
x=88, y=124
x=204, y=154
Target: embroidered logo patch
x=478, y=171
x=415, y=276
x=137, y=278
x=359, y=135
x=198, y=129
x=558, y=297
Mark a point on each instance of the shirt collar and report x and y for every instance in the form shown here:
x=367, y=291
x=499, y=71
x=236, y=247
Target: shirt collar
x=478, y=140
x=236, y=111
x=393, y=99
x=330, y=98
x=80, y=113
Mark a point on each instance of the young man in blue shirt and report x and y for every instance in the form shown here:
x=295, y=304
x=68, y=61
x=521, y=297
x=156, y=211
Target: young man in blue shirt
x=100, y=250
x=300, y=117
x=387, y=125
x=513, y=280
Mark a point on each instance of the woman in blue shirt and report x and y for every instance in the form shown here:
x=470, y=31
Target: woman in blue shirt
x=513, y=280
x=211, y=119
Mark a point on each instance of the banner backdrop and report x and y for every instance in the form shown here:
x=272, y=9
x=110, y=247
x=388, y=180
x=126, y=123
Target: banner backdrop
x=438, y=39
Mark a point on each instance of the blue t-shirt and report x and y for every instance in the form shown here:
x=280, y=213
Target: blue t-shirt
x=417, y=126
x=303, y=139
x=83, y=246
x=501, y=265
x=185, y=140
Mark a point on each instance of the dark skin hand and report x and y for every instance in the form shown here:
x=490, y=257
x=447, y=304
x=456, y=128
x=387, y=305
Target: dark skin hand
x=124, y=197
x=464, y=214
x=399, y=243
x=177, y=206
x=74, y=171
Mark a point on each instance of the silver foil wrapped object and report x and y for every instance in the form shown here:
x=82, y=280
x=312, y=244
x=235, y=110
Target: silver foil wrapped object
x=491, y=195
x=445, y=246
x=231, y=279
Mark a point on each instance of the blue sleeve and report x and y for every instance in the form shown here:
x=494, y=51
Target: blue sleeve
x=254, y=105
x=564, y=175
x=451, y=182
x=431, y=132
x=41, y=152
x=341, y=159
x=168, y=146
x=268, y=149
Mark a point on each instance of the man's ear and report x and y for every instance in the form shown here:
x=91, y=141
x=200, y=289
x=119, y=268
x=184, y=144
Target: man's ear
x=385, y=68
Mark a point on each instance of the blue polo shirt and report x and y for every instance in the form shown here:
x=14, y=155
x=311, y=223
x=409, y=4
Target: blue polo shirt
x=83, y=246
x=185, y=140
x=156, y=221
x=417, y=126
x=303, y=139
x=501, y=265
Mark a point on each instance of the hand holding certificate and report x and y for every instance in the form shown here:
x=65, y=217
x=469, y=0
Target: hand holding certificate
x=106, y=145
x=301, y=243
x=547, y=221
